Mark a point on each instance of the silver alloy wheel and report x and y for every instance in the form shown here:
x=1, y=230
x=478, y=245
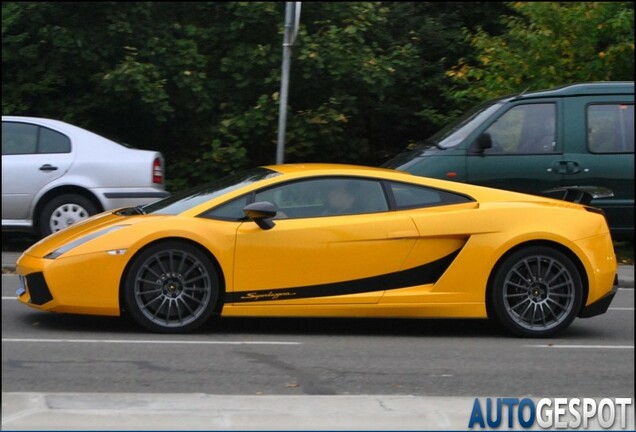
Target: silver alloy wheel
x=539, y=292
x=172, y=288
x=66, y=215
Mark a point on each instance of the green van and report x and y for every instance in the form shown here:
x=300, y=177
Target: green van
x=576, y=135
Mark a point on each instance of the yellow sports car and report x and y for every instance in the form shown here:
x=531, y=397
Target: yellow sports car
x=320, y=240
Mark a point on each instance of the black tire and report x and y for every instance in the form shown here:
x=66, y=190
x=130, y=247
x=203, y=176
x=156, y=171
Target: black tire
x=536, y=292
x=63, y=211
x=156, y=291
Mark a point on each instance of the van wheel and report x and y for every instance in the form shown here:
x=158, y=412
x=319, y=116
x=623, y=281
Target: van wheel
x=64, y=211
x=536, y=292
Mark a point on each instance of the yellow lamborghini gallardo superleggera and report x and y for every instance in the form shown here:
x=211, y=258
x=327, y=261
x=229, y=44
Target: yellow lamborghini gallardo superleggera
x=331, y=241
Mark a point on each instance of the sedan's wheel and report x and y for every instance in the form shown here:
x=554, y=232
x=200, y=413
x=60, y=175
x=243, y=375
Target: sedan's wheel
x=537, y=292
x=64, y=211
x=171, y=287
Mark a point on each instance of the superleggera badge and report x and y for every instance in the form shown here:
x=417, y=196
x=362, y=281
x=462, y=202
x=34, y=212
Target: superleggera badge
x=266, y=296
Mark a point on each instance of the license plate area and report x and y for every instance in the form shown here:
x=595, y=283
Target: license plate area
x=21, y=286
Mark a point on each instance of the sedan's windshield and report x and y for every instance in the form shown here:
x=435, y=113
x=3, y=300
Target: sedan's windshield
x=186, y=200
x=454, y=133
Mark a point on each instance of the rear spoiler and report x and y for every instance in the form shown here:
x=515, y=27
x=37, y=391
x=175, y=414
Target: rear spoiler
x=581, y=194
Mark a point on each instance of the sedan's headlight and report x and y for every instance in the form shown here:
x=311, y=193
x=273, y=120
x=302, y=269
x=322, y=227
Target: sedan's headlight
x=67, y=247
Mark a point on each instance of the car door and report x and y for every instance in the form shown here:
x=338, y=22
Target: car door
x=526, y=153
x=443, y=220
x=32, y=157
x=316, y=254
x=600, y=152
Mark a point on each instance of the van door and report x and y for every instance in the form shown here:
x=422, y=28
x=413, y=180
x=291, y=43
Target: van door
x=526, y=153
x=600, y=152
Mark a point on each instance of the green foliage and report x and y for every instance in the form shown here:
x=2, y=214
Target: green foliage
x=200, y=81
x=549, y=44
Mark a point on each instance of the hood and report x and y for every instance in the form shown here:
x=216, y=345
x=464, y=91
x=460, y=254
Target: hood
x=82, y=229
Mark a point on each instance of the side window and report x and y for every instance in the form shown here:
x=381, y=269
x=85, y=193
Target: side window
x=53, y=142
x=525, y=129
x=610, y=128
x=231, y=210
x=412, y=196
x=23, y=138
x=19, y=138
x=326, y=197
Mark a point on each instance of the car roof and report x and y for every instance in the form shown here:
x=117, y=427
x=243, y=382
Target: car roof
x=329, y=168
x=580, y=89
x=39, y=120
x=57, y=125
x=78, y=134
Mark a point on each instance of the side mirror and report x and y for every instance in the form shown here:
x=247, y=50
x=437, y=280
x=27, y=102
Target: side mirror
x=261, y=213
x=483, y=142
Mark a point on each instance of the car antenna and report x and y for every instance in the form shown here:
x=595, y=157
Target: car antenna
x=522, y=93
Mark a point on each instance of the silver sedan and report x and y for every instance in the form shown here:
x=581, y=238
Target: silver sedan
x=55, y=174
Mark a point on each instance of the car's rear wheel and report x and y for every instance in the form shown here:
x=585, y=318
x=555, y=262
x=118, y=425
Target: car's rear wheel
x=536, y=292
x=64, y=211
x=171, y=287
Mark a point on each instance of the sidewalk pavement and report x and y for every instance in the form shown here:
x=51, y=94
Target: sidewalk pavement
x=625, y=272
x=110, y=411
x=197, y=411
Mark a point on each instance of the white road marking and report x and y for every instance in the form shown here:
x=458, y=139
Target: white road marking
x=622, y=309
x=133, y=341
x=9, y=298
x=583, y=346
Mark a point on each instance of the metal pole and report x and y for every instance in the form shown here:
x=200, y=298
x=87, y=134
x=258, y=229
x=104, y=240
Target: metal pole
x=292, y=15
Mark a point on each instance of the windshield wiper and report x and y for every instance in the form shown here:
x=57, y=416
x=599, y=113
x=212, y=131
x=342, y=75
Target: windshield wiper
x=128, y=211
x=424, y=144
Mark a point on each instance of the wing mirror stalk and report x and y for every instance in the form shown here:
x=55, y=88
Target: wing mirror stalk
x=261, y=213
x=483, y=142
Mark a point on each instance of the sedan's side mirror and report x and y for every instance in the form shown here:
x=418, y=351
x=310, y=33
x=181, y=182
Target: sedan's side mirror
x=484, y=142
x=261, y=213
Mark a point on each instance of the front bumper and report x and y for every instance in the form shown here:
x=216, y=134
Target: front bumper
x=84, y=284
x=38, y=288
x=601, y=305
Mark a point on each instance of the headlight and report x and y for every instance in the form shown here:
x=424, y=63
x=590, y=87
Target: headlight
x=67, y=247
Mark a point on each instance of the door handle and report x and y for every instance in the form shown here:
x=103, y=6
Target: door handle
x=566, y=167
x=573, y=167
x=403, y=234
x=47, y=167
x=560, y=167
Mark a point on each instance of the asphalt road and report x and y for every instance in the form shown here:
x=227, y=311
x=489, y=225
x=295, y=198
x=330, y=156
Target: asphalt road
x=46, y=352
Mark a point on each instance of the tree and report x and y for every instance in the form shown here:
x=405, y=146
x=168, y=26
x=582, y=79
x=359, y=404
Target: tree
x=549, y=44
x=199, y=81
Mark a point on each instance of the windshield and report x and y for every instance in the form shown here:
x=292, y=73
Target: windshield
x=457, y=131
x=186, y=200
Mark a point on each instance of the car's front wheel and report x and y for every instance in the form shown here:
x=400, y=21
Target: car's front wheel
x=171, y=287
x=536, y=292
x=64, y=211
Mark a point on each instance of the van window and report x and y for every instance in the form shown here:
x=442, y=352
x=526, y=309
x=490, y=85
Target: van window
x=610, y=128
x=525, y=129
x=456, y=132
